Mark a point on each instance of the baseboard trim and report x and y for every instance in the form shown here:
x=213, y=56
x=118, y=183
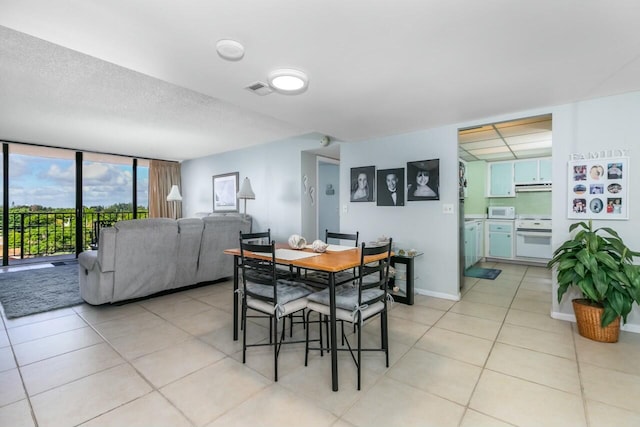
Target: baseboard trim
x=437, y=294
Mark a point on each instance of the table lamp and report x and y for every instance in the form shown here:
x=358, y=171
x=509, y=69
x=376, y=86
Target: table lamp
x=175, y=197
x=245, y=193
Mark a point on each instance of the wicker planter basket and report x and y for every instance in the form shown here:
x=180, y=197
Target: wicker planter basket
x=588, y=318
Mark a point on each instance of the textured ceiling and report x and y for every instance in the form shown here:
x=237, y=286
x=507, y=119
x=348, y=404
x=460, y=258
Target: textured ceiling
x=141, y=77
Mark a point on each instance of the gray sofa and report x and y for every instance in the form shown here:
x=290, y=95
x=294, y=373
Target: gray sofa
x=141, y=257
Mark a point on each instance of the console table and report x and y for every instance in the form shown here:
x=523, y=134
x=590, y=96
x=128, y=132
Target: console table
x=404, y=294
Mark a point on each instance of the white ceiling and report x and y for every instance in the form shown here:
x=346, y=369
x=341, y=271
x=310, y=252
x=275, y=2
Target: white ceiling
x=141, y=77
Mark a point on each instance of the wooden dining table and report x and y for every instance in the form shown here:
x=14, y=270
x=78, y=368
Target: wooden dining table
x=330, y=262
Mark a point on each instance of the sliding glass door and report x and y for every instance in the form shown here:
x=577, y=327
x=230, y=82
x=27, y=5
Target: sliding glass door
x=54, y=201
x=41, y=202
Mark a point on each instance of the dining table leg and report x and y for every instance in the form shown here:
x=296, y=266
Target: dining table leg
x=332, y=322
x=236, y=265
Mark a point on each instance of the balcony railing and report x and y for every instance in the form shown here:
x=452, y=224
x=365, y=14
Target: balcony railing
x=38, y=234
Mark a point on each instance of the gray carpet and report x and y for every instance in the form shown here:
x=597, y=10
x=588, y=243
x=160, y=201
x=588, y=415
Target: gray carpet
x=36, y=291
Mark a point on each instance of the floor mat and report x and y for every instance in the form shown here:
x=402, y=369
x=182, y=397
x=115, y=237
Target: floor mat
x=482, y=273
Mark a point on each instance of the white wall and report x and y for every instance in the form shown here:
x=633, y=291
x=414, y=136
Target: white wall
x=275, y=173
x=581, y=128
x=418, y=225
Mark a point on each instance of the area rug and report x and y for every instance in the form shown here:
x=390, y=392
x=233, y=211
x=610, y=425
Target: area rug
x=482, y=273
x=35, y=291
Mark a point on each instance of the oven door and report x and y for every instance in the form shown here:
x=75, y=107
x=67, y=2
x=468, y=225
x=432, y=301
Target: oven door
x=533, y=244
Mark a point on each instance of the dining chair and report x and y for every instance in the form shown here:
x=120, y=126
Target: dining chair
x=282, y=272
x=358, y=304
x=321, y=277
x=270, y=296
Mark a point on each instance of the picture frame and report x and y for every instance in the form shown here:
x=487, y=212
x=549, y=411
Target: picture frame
x=423, y=180
x=386, y=180
x=363, y=184
x=225, y=188
x=598, y=189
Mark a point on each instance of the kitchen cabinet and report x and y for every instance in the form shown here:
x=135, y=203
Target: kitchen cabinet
x=545, y=169
x=469, y=243
x=473, y=248
x=532, y=171
x=499, y=242
x=500, y=180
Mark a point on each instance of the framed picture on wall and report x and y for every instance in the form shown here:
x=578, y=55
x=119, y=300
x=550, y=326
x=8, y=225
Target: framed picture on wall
x=390, y=187
x=363, y=184
x=423, y=180
x=598, y=189
x=225, y=188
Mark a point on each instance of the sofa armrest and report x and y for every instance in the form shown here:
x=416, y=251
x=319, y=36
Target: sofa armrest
x=88, y=259
x=107, y=249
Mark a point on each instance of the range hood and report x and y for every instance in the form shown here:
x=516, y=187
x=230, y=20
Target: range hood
x=522, y=188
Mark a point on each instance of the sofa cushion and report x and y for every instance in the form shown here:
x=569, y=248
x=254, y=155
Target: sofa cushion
x=146, y=252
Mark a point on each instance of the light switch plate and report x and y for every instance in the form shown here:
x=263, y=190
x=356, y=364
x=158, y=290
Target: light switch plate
x=447, y=208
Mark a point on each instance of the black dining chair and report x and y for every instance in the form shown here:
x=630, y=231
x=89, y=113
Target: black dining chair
x=358, y=304
x=271, y=297
x=319, y=277
x=282, y=272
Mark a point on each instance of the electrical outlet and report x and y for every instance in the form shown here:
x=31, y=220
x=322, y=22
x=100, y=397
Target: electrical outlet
x=447, y=208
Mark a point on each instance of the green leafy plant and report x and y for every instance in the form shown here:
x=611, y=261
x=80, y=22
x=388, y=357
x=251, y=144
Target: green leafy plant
x=601, y=266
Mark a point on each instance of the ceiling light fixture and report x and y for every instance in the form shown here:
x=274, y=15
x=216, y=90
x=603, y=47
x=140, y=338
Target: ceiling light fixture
x=288, y=81
x=230, y=50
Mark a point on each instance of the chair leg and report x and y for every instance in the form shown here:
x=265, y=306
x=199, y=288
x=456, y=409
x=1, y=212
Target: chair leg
x=359, y=348
x=306, y=342
x=244, y=331
x=275, y=347
x=326, y=324
x=290, y=325
x=320, y=332
x=385, y=334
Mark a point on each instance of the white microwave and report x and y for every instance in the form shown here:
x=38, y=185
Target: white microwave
x=502, y=212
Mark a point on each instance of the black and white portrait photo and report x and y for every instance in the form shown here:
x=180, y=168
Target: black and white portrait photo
x=423, y=179
x=390, y=187
x=362, y=184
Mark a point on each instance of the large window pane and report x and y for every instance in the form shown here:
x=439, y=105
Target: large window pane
x=107, y=192
x=143, y=188
x=41, y=201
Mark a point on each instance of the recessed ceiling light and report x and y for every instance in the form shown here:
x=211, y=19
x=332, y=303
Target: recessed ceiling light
x=230, y=50
x=288, y=81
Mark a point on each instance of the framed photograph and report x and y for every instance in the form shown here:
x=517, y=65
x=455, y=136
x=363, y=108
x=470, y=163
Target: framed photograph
x=390, y=187
x=598, y=189
x=423, y=180
x=363, y=184
x=225, y=188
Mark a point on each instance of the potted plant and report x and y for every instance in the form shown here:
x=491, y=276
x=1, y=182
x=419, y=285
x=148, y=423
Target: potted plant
x=601, y=266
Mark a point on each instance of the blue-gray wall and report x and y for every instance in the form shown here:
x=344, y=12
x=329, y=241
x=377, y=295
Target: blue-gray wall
x=275, y=173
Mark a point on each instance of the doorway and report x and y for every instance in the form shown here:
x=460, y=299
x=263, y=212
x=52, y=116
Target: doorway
x=328, y=207
x=506, y=164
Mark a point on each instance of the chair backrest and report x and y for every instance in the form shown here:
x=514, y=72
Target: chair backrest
x=263, y=237
x=371, y=270
x=257, y=270
x=341, y=236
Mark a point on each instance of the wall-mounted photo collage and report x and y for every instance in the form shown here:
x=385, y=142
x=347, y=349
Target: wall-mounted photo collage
x=598, y=189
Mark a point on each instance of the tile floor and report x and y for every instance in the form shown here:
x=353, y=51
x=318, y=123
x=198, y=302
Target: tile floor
x=495, y=358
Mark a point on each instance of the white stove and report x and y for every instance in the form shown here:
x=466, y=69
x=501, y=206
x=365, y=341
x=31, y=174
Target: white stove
x=533, y=224
x=533, y=237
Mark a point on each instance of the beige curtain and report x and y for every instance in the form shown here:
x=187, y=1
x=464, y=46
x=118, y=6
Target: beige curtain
x=162, y=175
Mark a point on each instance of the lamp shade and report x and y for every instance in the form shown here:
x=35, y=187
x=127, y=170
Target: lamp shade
x=174, y=194
x=246, y=192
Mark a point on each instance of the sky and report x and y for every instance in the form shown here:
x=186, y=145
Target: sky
x=51, y=182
